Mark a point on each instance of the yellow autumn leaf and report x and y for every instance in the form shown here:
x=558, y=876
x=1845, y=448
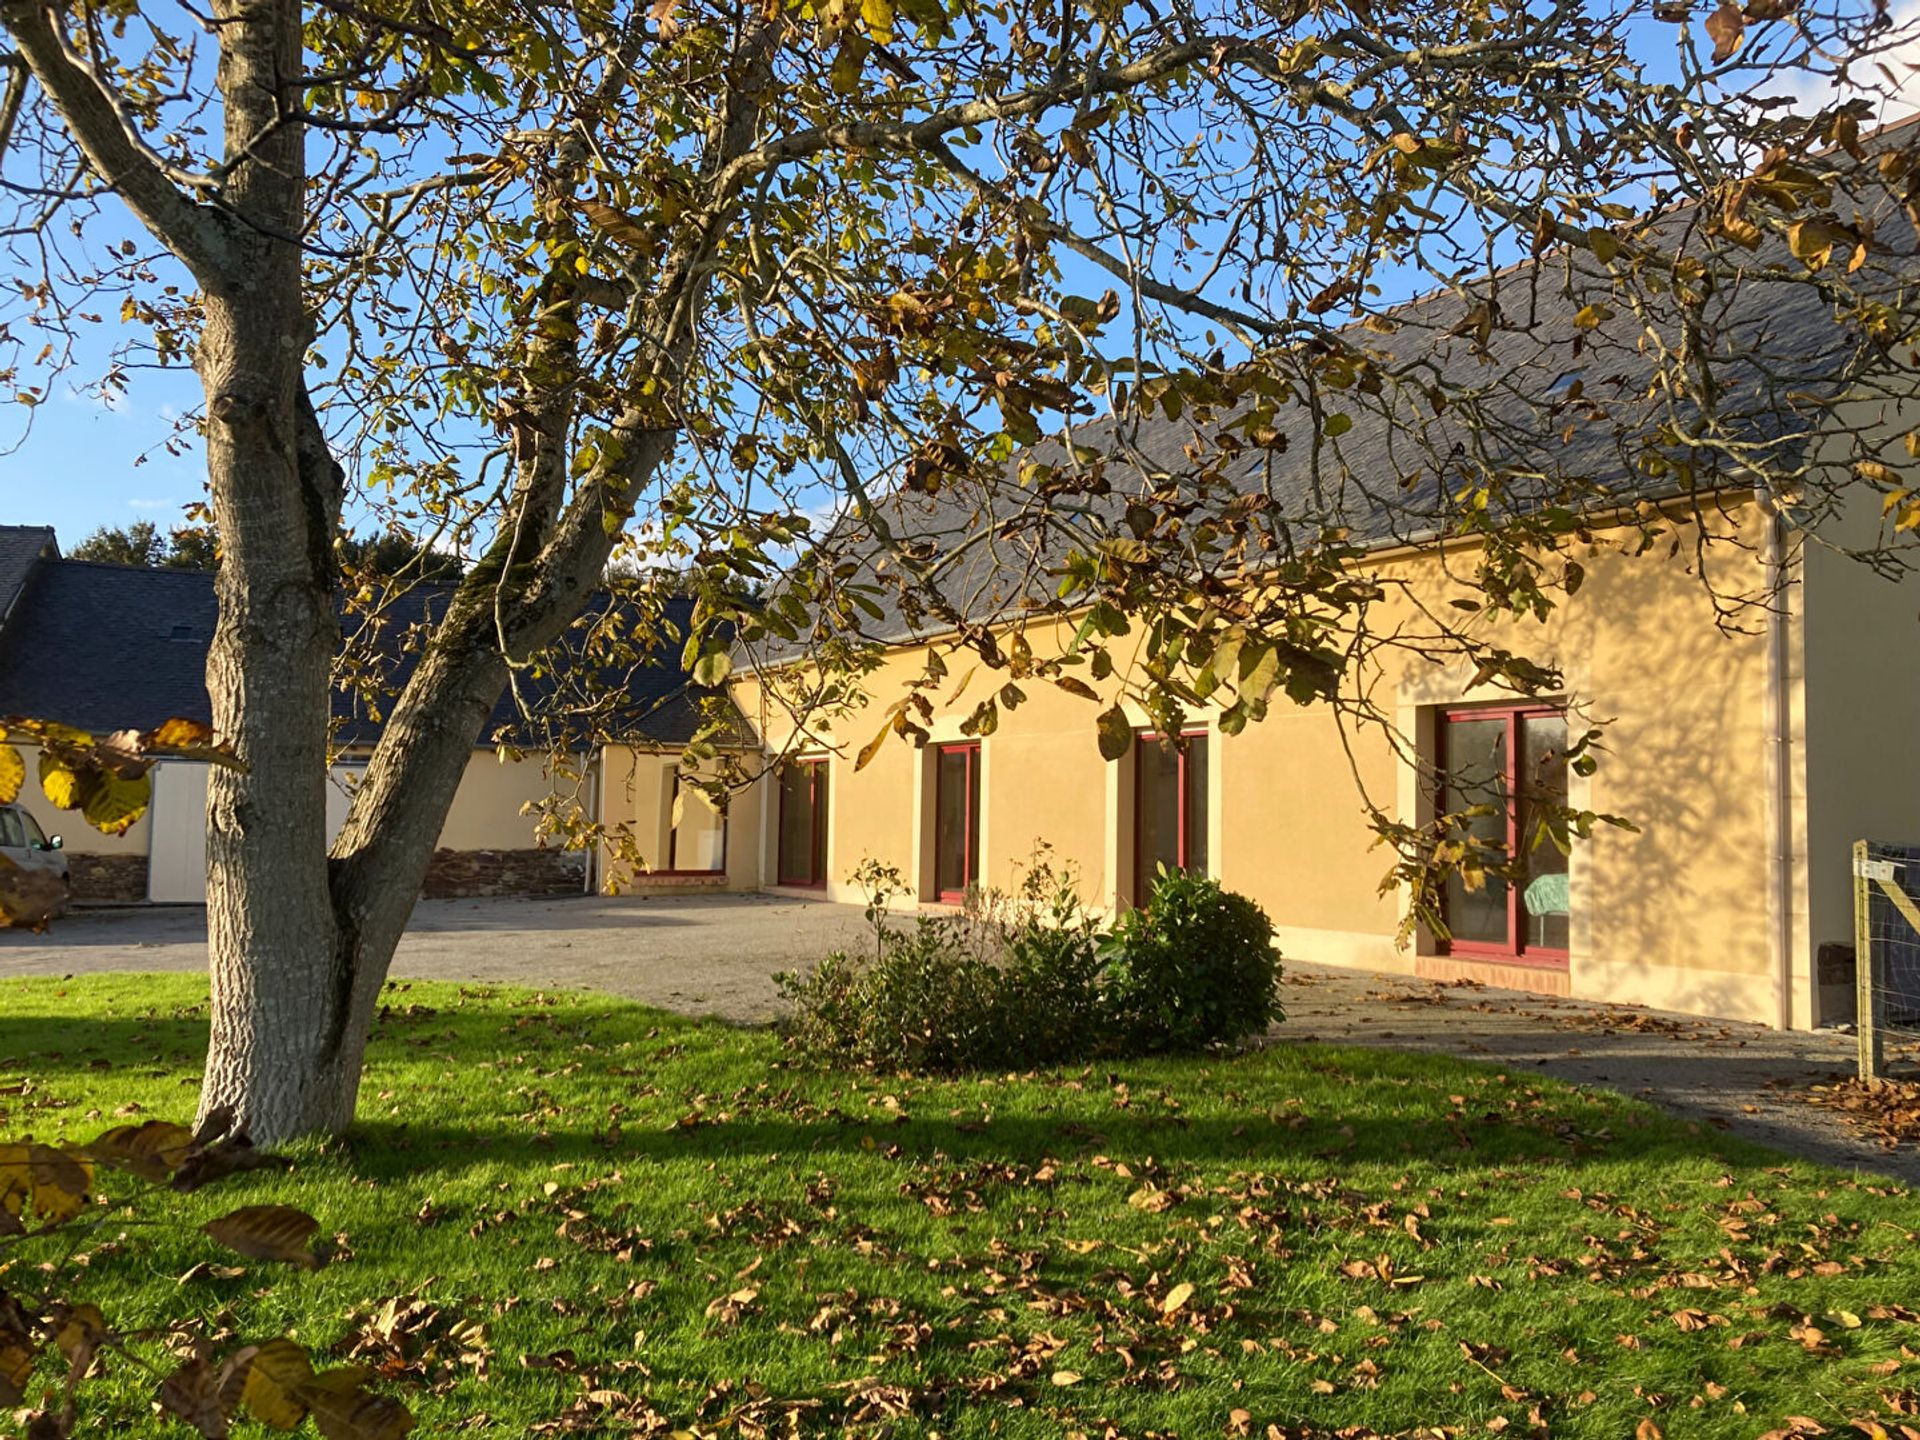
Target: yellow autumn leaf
x=116, y=802
x=274, y=1378
x=58, y=782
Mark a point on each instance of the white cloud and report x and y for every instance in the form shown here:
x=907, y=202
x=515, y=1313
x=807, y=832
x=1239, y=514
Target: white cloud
x=1891, y=80
x=97, y=397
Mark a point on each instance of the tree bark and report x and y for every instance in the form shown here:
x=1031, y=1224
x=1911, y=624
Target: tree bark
x=281, y=1001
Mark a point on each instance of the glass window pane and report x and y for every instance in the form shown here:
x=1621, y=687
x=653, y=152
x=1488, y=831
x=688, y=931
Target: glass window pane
x=11, y=835
x=1544, y=900
x=1196, y=816
x=1476, y=775
x=34, y=834
x=700, y=837
x=797, y=824
x=956, y=818
x=1158, y=806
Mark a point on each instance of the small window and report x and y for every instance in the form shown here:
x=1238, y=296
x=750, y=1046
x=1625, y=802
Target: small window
x=803, y=823
x=956, y=823
x=1170, y=806
x=697, y=839
x=1511, y=761
x=12, y=836
x=36, y=837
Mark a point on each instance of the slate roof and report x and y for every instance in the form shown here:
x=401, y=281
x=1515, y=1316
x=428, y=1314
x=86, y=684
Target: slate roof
x=1389, y=480
x=109, y=647
x=20, y=546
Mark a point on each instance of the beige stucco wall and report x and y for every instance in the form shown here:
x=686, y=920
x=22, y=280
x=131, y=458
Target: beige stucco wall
x=1675, y=915
x=1042, y=779
x=636, y=799
x=486, y=811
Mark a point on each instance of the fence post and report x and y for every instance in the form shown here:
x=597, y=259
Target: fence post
x=1866, y=1017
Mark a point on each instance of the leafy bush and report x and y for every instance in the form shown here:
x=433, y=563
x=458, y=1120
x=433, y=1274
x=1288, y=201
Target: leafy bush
x=1009, y=982
x=1047, y=998
x=1195, y=968
x=924, y=1003
x=1028, y=979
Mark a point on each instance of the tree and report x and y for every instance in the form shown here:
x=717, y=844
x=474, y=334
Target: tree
x=389, y=555
x=142, y=544
x=385, y=555
x=546, y=282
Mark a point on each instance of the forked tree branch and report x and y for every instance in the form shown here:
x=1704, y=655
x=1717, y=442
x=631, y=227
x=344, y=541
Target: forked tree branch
x=196, y=233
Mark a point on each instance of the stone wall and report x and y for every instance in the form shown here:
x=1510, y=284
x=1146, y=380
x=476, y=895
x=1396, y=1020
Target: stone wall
x=455, y=873
x=119, y=878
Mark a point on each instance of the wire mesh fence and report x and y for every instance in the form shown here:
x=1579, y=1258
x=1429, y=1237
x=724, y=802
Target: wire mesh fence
x=1886, y=924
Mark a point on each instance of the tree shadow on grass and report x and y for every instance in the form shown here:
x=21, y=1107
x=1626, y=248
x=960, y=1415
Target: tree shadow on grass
x=1160, y=1151
x=1366, y=1108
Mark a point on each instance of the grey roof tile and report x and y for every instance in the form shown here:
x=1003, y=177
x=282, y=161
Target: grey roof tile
x=20, y=547
x=109, y=647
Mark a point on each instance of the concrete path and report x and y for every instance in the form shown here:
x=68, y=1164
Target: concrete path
x=1745, y=1079
x=715, y=955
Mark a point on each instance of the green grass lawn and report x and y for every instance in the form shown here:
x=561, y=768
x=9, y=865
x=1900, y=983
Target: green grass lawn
x=567, y=1214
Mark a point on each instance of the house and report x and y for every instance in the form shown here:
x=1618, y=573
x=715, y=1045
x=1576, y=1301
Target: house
x=1748, y=755
x=110, y=647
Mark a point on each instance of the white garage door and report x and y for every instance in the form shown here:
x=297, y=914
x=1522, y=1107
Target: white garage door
x=177, y=859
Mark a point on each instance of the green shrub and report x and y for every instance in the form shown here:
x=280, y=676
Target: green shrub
x=1012, y=981
x=1028, y=979
x=1195, y=968
x=1046, y=1004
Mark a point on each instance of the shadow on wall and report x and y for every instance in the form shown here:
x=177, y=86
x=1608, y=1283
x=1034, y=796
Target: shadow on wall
x=1678, y=912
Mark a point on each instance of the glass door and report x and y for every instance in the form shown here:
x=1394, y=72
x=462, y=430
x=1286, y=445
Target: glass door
x=803, y=823
x=956, y=837
x=1510, y=763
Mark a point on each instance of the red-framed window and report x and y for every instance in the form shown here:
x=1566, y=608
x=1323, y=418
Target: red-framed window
x=1169, y=806
x=956, y=820
x=803, y=823
x=696, y=829
x=1513, y=760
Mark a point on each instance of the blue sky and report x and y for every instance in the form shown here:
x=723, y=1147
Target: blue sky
x=81, y=465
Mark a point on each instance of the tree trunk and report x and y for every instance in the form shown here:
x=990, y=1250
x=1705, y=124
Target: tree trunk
x=300, y=943
x=277, y=1059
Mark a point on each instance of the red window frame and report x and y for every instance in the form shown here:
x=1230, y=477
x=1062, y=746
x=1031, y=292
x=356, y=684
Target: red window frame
x=1142, y=879
x=816, y=879
x=970, y=861
x=1516, y=950
x=673, y=838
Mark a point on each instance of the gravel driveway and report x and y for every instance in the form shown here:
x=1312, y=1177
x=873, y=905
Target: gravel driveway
x=702, y=954
x=715, y=955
